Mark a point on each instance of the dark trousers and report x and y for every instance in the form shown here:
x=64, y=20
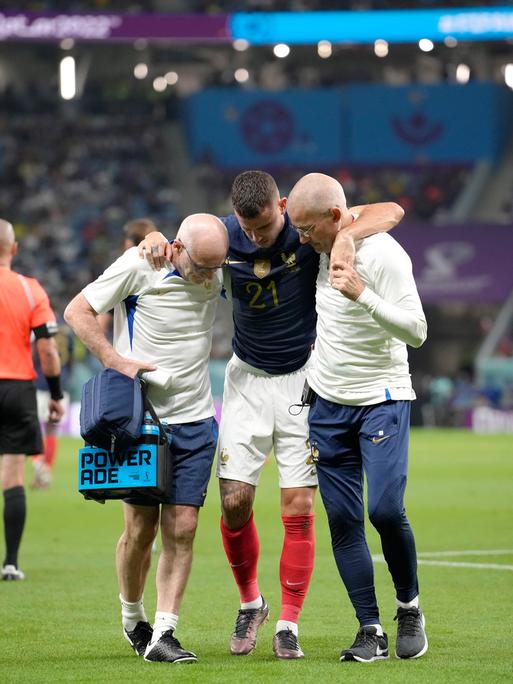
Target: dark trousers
x=351, y=441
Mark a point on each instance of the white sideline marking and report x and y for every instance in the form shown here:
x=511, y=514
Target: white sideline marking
x=480, y=552
x=379, y=558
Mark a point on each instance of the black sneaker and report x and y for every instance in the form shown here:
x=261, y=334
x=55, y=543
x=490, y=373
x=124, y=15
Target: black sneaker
x=243, y=639
x=139, y=637
x=168, y=649
x=286, y=645
x=367, y=647
x=411, y=638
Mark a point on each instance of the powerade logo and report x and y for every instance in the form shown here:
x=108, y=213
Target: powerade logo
x=136, y=467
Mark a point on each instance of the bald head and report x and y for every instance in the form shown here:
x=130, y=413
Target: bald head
x=317, y=208
x=317, y=193
x=200, y=247
x=7, y=242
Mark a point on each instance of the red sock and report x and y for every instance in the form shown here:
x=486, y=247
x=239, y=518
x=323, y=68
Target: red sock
x=50, y=449
x=242, y=548
x=296, y=563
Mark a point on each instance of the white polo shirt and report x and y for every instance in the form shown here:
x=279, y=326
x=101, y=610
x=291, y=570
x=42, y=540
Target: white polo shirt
x=163, y=319
x=360, y=355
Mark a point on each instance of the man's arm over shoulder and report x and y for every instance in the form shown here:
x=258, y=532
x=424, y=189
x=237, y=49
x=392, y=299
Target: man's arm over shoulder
x=369, y=220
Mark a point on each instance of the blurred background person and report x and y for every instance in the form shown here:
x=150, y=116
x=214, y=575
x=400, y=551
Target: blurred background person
x=24, y=309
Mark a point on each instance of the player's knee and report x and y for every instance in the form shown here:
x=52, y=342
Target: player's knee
x=297, y=501
x=236, y=503
x=345, y=529
x=183, y=529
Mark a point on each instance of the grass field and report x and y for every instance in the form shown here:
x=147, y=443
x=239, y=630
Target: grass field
x=63, y=622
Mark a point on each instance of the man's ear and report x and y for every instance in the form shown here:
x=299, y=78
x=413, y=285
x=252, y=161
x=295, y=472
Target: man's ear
x=14, y=248
x=336, y=214
x=283, y=204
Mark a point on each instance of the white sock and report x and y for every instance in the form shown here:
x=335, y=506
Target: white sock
x=163, y=622
x=257, y=603
x=282, y=625
x=414, y=603
x=132, y=613
x=379, y=628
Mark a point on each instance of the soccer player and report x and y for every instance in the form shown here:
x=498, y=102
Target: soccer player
x=271, y=277
x=359, y=420
x=24, y=310
x=163, y=324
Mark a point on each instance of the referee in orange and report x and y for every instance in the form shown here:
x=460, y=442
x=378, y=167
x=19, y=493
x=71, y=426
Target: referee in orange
x=24, y=309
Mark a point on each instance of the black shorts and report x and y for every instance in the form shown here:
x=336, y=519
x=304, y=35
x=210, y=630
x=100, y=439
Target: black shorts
x=20, y=432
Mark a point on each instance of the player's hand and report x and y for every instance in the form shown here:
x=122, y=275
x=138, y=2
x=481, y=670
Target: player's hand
x=346, y=280
x=343, y=250
x=55, y=410
x=156, y=249
x=131, y=367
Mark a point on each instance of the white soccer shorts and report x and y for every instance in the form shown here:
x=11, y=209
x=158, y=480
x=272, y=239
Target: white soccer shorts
x=256, y=420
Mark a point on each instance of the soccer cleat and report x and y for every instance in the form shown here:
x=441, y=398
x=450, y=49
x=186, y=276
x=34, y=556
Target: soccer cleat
x=11, y=572
x=411, y=638
x=167, y=649
x=286, y=645
x=367, y=647
x=139, y=637
x=244, y=636
x=42, y=476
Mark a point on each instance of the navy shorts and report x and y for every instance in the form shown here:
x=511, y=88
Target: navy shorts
x=193, y=446
x=19, y=425
x=347, y=441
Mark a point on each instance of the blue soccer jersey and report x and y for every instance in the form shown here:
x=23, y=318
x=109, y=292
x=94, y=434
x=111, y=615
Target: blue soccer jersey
x=273, y=294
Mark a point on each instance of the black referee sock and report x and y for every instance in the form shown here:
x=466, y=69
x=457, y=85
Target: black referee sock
x=15, y=510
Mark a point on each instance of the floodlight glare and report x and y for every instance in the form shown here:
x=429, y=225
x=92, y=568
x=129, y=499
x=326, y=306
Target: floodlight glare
x=67, y=78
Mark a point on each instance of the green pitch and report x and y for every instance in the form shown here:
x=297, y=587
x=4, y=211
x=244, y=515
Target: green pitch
x=62, y=623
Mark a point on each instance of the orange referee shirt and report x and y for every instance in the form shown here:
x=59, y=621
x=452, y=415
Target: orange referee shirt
x=24, y=305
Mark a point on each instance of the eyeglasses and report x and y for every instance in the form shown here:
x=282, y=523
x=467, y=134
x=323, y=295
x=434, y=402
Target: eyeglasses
x=306, y=231
x=198, y=267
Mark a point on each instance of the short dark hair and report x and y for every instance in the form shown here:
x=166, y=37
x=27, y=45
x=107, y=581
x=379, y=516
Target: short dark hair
x=252, y=191
x=138, y=229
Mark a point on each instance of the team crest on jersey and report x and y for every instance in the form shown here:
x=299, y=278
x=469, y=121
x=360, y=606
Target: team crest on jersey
x=314, y=452
x=262, y=267
x=223, y=457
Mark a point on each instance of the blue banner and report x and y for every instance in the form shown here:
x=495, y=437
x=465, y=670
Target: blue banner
x=444, y=124
x=394, y=26
x=237, y=129
x=360, y=124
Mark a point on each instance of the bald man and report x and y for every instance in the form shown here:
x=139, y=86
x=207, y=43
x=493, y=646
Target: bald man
x=24, y=310
x=359, y=418
x=162, y=327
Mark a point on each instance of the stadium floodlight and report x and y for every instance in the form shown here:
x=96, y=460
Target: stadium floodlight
x=508, y=75
x=67, y=75
x=159, y=84
x=281, y=50
x=426, y=45
x=380, y=48
x=140, y=70
x=462, y=73
x=171, y=78
x=241, y=44
x=324, y=49
x=241, y=75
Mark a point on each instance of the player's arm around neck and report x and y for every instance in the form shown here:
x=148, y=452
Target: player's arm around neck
x=83, y=319
x=370, y=219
